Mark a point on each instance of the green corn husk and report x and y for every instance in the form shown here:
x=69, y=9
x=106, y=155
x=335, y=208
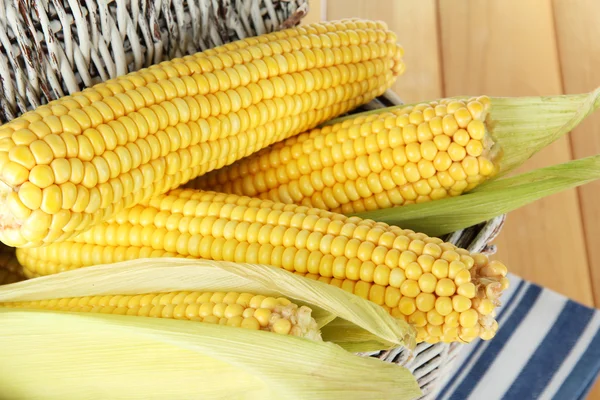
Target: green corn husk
x=63, y=355
x=491, y=199
x=519, y=127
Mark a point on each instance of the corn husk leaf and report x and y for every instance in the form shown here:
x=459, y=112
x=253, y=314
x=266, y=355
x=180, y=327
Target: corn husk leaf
x=175, y=274
x=522, y=126
x=82, y=355
x=489, y=200
x=54, y=355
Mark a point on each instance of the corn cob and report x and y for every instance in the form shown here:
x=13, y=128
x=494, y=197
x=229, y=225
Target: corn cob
x=81, y=159
x=447, y=293
x=407, y=155
x=244, y=310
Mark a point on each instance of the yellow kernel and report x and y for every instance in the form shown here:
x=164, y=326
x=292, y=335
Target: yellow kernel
x=413, y=152
x=468, y=318
x=463, y=117
x=407, y=305
x=454, y=268
x=41, y=176
x=486, y=167
x=450, y=256
x=427, y=283
x=416, y=246
x=443, y=305
x=440, y=269
x=410, y=288
x=362, y=289
x=377, y=294
x=418, y=319
x=263, y=316
x=434, y=331
x=456, y=152
x=485, y=307
x=413, y=271
x=467, y=290
x=415, y=117
x=445, y=287
x=470, y=165
x=397, y=277
x=449, y=125
x=460, y=303
x=392, y=296
x=406, y=258
x=476, y=129
x=474, y=148
x=424, y=133
x=463, y=276
x=435, y=318
x=467, y=260
x=425, y=301
x=250, y=323
x=476, y=109
x=426, y=261
x=30, y=195
x=428, y=150
x=381, y=275
x=282, y=326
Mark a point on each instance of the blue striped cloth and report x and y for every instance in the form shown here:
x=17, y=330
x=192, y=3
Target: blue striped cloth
x=547, y=347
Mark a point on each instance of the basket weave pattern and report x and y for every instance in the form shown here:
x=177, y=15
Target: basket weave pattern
x=51, y=48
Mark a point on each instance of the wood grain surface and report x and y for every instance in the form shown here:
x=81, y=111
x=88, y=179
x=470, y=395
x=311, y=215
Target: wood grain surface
x=513, y=48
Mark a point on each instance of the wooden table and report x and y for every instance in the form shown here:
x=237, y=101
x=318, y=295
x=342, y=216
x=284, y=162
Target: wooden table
x=511, y=48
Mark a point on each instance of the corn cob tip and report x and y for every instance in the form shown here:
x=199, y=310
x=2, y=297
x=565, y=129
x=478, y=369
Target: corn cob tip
x=490, y=282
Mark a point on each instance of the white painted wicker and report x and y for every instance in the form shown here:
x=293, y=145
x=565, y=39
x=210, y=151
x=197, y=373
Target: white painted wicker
x=50, y=48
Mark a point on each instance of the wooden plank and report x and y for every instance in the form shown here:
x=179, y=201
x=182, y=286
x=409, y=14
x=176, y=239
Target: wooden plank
x=576, y=30
x=507, y=48
x=415, y=24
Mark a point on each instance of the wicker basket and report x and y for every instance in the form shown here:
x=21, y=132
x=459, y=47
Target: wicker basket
x=51, y=49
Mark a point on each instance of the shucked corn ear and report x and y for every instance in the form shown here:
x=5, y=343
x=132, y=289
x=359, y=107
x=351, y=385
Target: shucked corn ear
x=404, y=154
x=244, y=310
x=407, y=155
x=446, y=292
x=81, y=159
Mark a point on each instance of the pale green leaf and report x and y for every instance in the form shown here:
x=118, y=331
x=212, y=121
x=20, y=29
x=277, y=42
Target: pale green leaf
x=176, y=274
x=489, y=200
x=351, y=337
x=58, y=355
x=522, y=126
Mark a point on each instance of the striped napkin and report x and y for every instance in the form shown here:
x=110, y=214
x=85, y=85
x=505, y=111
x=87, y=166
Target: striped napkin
x=547, y=347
